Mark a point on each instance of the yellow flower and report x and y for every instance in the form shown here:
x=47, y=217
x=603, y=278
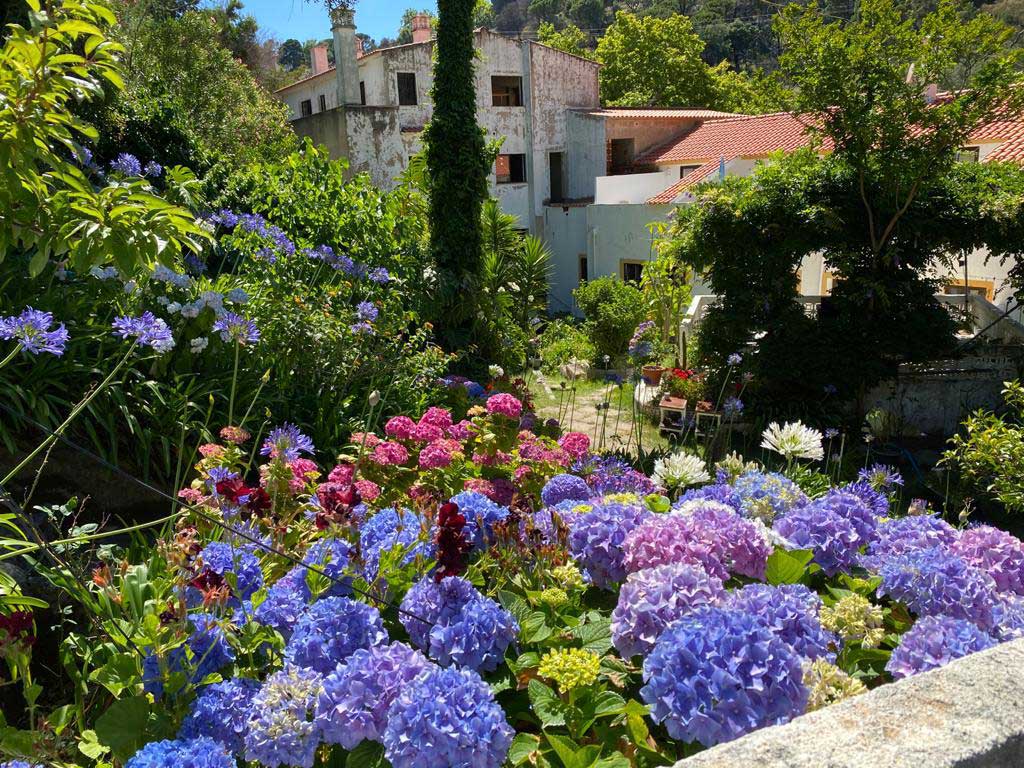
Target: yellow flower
x=554, y=597
x=570, y=668
x=568, y=576
x=828, y=684
x=855, y=618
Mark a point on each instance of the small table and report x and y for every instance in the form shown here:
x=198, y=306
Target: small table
x=672, y=415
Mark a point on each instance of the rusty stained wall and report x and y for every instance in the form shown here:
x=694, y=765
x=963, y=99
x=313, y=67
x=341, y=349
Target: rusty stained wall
x=311, y=88
x=375, y=144
x=648, y=133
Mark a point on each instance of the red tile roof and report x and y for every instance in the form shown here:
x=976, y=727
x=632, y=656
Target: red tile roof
x=629, y=113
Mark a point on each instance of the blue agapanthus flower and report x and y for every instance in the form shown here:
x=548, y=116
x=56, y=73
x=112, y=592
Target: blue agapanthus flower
x=447, y=717
x=236, y=329
x=379, y=275
x=153, y=169
x=881, y=477
x=481, y=516
x=831, y=536
x=127, y=165
x=287, y=443
x=766, y=495
x=717, y=674
x=565, y=488
x=237, y=566
x=388, y=529
x=282, y=730
x=147, y=330
x=933, y=642
x=790, y=611
x=933, y=582
x=193, y=753
x=221, y=712
x=456, y=624
x=597, y=537
x=354, y=703
x=331, y=630
x=34, y=332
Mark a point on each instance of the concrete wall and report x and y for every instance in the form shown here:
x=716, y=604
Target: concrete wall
x=565, y=232
x=647, y=133
x=586, y=151
x=633, y=188
x=619, y=233
x=310, y=89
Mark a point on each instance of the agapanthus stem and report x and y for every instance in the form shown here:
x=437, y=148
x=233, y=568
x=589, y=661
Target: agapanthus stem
x=234, y=384
x=14, y=354
x=30, y=547
x=71, y=417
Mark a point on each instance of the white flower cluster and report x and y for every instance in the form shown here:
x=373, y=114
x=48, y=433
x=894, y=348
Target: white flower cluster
x=680, y=470
x=794, y=441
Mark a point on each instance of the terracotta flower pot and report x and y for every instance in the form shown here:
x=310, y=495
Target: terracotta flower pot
x=652, y=375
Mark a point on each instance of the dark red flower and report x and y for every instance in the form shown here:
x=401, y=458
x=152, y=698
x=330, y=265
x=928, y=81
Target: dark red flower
x=337, y=503
x=452, y=543
x=18, y=628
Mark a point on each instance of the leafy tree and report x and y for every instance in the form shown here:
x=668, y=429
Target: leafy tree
x=457, y=168
x=571, y=39
x=546, y=10
x=613, y=309
x=291, y=54
x=483, y=14
x=587, y=14
x=405, y=30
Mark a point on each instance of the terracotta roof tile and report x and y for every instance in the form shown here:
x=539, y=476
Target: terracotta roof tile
x=693, y=178
x=659, y=114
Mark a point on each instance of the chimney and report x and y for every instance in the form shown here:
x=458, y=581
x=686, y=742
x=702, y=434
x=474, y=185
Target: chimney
x=346, y=64
x=931, y=93
x=319, y=59
x=421, y=31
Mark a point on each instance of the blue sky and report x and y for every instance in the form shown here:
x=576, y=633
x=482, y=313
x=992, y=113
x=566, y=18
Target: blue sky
x=302, y=20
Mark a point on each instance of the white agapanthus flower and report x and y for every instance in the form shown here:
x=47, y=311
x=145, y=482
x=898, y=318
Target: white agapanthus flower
x=680, y=470
x=199, y=344
x=794, y=440
x=496, y=371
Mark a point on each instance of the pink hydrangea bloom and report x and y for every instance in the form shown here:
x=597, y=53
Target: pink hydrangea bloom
x=390, y=454
x=478, y=484
x=368, y=439
x=437, y=454
x=460, y=431
x=235, y=435
x=367, y=489
x=303, y=470
x=343, y=474
x=400, y=427
x=427, y=433
x=190, y=495
x=521, y=472
x=211, y=451
x=505, y=404
x=576, y=444
x=997, y=552
x=438, y=417
x=485, y=459
x=663, y=539
x=746, y=550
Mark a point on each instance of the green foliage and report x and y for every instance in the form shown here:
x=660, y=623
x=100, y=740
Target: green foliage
x=570, y=39
x=990, y=453
x=613, y=309
x=291, y=54
x=563, y=341
x=457, y=173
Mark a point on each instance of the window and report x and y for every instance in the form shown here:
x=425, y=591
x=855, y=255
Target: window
x=510, y=169
x=621, y=155
x=323, y=103
x=983, y=288
x=632, y=271
x=583, y=269
x=968, y=155
x=507, y=91
x=362, y=93
x=686, y=170
x=557, y=184
x=407, y=89
x=306, y=108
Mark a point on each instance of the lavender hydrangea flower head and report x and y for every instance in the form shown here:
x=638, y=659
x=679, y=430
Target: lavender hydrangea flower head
x=481, y=515
x=148, y=331
x=282, y=730
x=1008, y=617
x=933, y=642
x=34, y=332
x=390, y=528
x=998, y=553
x=543, y=520
x=236, y=329
x=564, y=488
x=447, y=717
x=354, y=703
x=287, y=443
x=831, y=536
x=933, y=582
x=456, y=624
x=717, y=674
x=854, y=509
x=906, y=534
x=331, y=630
x=876, y=501
x=284, y=604
x=597, y=538
x=766, y=495
x=790, y=611
x=200, y=753
x=229, y=563
x=608, y=474
x=663, y=539
x=127, y=165
x=653, y=598
x=221, y=712
x=745, y=547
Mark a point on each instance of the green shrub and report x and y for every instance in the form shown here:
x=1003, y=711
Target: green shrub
x=613, y=309
x=563, y=341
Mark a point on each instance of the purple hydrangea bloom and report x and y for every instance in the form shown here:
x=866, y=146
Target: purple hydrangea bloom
x=147, y=329
x=543, y=520
x=854, y=509
x=1008, y=617
x=653, y=598
x=719, y=492
x=933, y=582
x=456, y=624
x=766, y=495
x=608, y=474
x=232, y=563
x=717, y=674
x=998, y=553
x=388, y=529
x=34, y=331
x=19, y=764
x=745, y=549
x=210, y=648
x=831, y=536
x=933, y=642
x=663, y=539
x=481, y=516
x=282, y=730
x=331, y=630
x=447, y=717
x=790, y=611
x=194, y=753
x=127, y=165
x=285, y=603
x=906, y=534
x=354, y=703
x=564, y=488
x=286, y=443
x=221, y=712
x=877, y=501
x=235, y=328
x=597, y=540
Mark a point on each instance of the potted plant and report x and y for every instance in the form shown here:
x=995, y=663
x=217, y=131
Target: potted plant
x=645, y=351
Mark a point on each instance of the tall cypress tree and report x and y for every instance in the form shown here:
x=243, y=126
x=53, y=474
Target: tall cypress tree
x=457, y=174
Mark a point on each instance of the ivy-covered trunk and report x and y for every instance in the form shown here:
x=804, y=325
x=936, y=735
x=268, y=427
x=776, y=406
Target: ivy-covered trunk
x=457, y=170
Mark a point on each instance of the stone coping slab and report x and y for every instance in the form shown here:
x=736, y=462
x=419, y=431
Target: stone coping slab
x=969, y=714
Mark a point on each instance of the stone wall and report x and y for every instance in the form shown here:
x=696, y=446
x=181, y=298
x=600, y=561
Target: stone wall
x=969, y=714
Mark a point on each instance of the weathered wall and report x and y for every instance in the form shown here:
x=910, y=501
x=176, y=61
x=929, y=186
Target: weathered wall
x=375, y=144
x=586, y=153
x=969, y=714
x=326, y=129
x=325, y=83
x=648, y=133
x=618, y=233
x=565, y=232
x=635, y=188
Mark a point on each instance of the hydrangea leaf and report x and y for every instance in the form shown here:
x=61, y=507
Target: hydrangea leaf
x=785, y=567
x=548, y=708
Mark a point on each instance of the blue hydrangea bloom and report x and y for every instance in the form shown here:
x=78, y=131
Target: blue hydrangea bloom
x=230, y=561
x=564, y=488
x=331, y=630
x=818, y=527
x=286, y=601
x=597, y=538
x=193, y=753
x=790, y=611
x=875, y=499
x=609, y=474
x=447, y=718
x=210, y=648
x=221, y=712
x=855, y=509
x=717, y=674
x=1008, y=617
x=906, y=534
x=282, y=730
x=653, y=598
x=388, y=529
x=543, y=523
x=331, y=557
x=720, y=492
x=481, y=515
x=354, y=703
x=19, y=764
x=933, y=642
x=456, y=624
x=766, y=495
x=933, y=582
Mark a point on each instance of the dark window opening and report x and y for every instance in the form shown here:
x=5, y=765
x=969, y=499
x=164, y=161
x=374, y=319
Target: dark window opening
x=583, y=269
x=622, y=154
x=407, y=89
x=632, y=271
x=510, y=169
x=323, y=103
x=686, y=170
x=306, y=108
x=557, y=177
x=968, y=155
x=362, y=93
x=507, y=91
